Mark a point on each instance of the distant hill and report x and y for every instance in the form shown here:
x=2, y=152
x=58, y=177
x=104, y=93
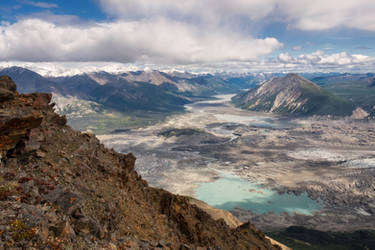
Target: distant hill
x=30, y=81
x=345, y=78
x=124, y=95
x=77, y=85
x=358, y=88
x=189, y=84
x=293, y=94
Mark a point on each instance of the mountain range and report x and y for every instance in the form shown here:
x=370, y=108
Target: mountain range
x=102, y=101
x=112, y=91
x=360, y=79
x=140, y=90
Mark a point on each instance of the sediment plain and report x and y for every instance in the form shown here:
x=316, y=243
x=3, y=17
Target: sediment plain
x=332, y=160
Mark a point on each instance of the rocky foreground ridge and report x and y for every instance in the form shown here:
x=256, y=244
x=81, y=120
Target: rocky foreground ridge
x=61, y=189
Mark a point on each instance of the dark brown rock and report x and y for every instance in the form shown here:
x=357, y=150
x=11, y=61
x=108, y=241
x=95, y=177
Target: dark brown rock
x=7, y=89
x=7, y=83
x=6, y=95
x=66, y=231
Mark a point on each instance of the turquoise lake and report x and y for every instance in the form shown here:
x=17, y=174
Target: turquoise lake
x=231, y=191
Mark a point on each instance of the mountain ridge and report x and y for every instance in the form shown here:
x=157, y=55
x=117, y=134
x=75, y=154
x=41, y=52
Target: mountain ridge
x=117, y=93
x=31, y=81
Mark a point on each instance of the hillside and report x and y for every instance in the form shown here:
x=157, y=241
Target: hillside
x=30, y=81
x=117, y=93
x=360, y=79
x=60, y=188
x=188, y=84
x=358, y=88
x=295, y=95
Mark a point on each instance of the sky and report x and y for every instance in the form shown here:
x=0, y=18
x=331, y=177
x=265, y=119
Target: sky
x=60, y=36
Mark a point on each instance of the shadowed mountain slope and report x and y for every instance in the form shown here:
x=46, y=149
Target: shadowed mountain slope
x=30, y=81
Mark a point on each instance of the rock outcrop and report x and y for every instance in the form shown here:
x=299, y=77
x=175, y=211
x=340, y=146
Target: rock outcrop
x=61, y=189
x=359, y=114
x=295, y=95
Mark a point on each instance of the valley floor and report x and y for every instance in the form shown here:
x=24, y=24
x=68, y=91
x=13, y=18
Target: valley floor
x=333, y=161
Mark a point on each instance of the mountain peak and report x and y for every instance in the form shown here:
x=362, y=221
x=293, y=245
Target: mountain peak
x=296, y=77
x=293, y=94
x=18, y=70
x=293, y=75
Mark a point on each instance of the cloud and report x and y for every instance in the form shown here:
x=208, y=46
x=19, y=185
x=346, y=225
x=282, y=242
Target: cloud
x=206, y=10
x=320, y=58
x=49, y=16
x=158, y=31
x=317, y=61
x=324, y=15
x=189, y=33
x=73, y=68
x=297, y=48
x=363, y=48
x=40, y=4
x=152, y=41
x=297, y=14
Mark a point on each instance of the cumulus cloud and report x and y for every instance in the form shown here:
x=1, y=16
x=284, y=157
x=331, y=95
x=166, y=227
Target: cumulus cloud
x=320, y=58
x=182, y=32
x=153, y=40
x=157, y=31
